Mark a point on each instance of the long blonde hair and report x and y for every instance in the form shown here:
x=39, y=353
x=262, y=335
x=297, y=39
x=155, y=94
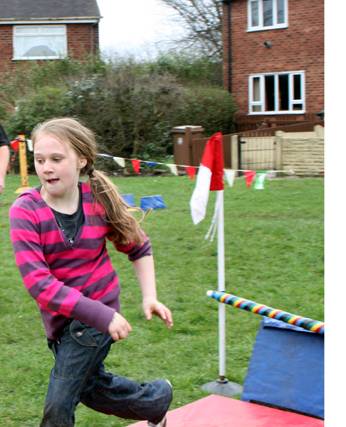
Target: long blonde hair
x=125, y=228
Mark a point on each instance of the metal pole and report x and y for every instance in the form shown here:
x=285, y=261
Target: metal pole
x=221, y=284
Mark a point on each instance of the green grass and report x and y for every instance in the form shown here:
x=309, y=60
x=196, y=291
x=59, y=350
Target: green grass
x=273, y=255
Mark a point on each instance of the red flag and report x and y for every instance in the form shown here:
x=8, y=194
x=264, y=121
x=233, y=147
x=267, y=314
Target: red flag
x=209, y=177
x=191, y=171
x=15, y=144
x=249, y=177
x=136, y=165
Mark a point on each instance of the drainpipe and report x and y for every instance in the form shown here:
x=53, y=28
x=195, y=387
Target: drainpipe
x=229, y=50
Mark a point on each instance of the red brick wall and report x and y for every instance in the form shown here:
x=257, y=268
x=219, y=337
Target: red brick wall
x=6, y=51
x=298, y=47
x=82, y=39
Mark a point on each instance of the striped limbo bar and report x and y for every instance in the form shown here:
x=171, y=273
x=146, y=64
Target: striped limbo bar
x=263, y=310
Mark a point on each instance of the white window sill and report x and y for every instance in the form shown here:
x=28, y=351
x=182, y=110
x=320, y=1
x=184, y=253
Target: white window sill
x=276, y=113
x=38, y=58
x=273, y=27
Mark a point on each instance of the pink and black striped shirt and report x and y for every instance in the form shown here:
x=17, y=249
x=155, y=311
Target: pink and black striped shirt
x=67, y=280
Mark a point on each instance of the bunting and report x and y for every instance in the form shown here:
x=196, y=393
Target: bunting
x=252, y=178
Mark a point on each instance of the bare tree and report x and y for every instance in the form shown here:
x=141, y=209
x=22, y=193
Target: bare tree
x=202, y=20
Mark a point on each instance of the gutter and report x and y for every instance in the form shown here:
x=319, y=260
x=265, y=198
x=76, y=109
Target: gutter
x=68, y=20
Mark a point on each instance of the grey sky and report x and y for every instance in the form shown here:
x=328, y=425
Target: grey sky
x=137, y=27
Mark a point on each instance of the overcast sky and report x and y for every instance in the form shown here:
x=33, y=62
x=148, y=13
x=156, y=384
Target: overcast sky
x=137, y=27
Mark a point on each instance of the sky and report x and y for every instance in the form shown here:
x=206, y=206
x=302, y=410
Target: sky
x=136, y=27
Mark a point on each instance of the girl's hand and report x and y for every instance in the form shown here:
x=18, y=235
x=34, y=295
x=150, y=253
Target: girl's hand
x=153, y=306
x=119, y=328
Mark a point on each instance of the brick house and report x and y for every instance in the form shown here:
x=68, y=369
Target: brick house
x=274, y=59
x=32, y=30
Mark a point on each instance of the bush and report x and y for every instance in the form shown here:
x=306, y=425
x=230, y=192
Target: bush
x=189, y=70
x=130, y=111
x=48, y=102
x=131, y=106
x=210, y=107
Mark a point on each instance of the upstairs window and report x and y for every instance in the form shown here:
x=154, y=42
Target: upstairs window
x=267, y=14
x=277, y=93
x=39, y=42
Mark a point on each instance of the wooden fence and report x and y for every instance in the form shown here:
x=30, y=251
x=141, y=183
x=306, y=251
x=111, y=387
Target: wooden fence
x=255, y=149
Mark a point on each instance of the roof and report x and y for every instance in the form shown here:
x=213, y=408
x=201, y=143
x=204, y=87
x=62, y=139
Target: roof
x=36, y=10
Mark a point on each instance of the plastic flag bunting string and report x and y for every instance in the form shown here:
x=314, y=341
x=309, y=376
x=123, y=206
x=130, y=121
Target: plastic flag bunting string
x=229, y=174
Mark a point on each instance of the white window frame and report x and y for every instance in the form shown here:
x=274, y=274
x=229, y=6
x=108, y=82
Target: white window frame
x=31, y=33
x=260, y=26
x=291, y=100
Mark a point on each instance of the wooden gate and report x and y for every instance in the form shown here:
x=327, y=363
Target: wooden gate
x=256, y=153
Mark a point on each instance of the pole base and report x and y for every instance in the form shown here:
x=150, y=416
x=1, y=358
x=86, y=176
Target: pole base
x=223, y=387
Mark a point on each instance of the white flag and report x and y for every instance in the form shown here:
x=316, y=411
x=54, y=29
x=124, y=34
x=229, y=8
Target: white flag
x=229, y=176
x=120, y=161
x=173, y=168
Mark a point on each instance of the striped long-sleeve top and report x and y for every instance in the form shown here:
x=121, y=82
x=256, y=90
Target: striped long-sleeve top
x=68, y=280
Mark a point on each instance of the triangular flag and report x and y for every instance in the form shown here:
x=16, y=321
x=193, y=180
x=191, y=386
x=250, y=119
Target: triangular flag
x=249, y=177
x=210, y=177
x=120, y=161
x=136, y=165
x=229, y=176
x=173, y=168
x=151, y=164
x=15, y=145
x=259, y=183
x=191, y=171
x=29, y=145
x=271, y=174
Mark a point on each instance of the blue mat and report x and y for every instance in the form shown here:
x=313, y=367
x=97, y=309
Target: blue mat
x=287, y=369
x=129, y=199
x=152, y=202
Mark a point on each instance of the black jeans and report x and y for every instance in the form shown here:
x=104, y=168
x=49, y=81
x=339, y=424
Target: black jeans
x=79, y=376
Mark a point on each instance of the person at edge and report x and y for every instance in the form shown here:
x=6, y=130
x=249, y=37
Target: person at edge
x=4, y=157
x=59, y=233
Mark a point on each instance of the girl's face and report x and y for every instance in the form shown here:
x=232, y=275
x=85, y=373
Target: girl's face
x=57, y=165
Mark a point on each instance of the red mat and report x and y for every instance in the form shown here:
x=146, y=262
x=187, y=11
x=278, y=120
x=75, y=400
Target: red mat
x=220, y=411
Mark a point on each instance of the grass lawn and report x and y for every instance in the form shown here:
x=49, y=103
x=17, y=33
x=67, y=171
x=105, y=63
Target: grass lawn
x=273, y=255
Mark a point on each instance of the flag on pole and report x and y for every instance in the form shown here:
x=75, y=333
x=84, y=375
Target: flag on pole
x=209, y=177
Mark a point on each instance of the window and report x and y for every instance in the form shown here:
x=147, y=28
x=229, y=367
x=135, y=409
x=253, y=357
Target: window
x=39, y=42
x=277, y=93
x=267, y=14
